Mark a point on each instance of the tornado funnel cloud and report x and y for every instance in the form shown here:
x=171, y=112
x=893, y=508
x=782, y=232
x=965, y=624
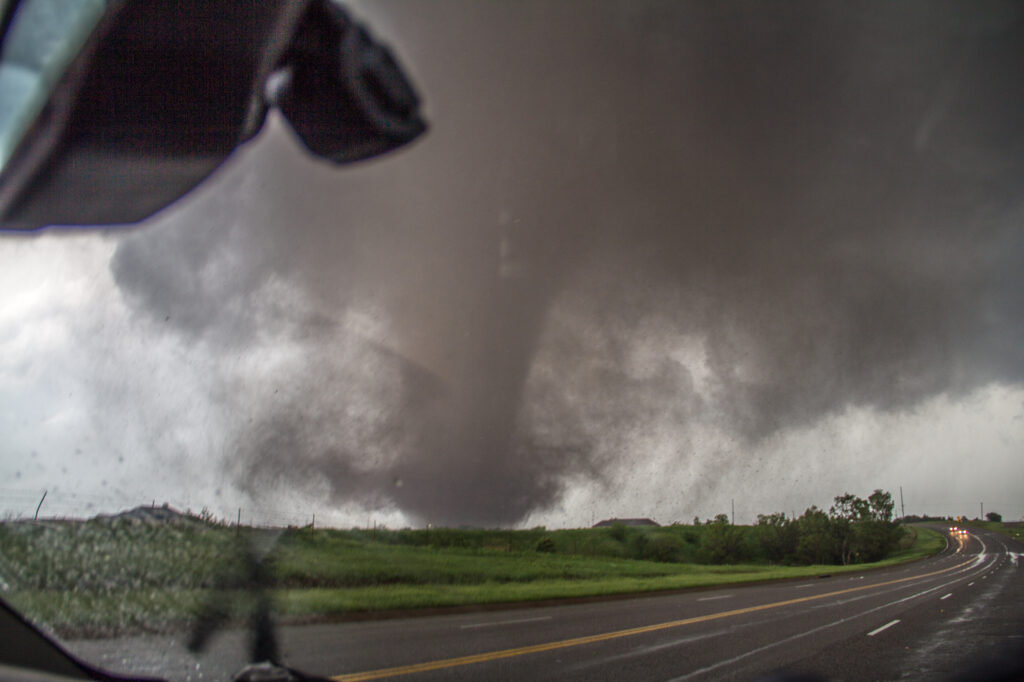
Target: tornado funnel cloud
x=631, y=225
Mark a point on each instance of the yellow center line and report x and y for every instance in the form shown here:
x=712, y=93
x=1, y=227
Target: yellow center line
x=590, y=639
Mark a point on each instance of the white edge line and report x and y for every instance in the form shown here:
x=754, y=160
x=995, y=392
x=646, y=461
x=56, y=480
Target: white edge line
x=947, y=596
x=799, y=635
x=884, y=627
x=503, y=622
x=721, y=596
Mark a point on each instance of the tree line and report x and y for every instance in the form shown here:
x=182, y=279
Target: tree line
x=854, y=530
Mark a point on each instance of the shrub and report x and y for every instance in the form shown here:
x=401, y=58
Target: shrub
x=546, y=544
x=722, y=543
x=637, y=544
x=663, y=547
x=775, y=537
x=817, y=543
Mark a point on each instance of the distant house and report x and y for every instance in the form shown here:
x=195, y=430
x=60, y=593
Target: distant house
x=625, y=522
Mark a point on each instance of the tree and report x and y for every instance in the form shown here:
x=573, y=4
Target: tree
x=721, y=542
x=881, y=506
x=817, y=542
x=864, y=529
x=850, y=508
x=848, y=511
x=995, y=517
x=776, y=537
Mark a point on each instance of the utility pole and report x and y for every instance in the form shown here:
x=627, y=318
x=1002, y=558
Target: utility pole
x=732, y=503
x=903, y=512
x=982, y=517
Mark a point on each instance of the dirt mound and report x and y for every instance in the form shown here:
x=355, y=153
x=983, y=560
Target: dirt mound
x=151, y=515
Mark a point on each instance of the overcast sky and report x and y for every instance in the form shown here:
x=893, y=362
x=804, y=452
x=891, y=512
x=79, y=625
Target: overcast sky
x=651, y=258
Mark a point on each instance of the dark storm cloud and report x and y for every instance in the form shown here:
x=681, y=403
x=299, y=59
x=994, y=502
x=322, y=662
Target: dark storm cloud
x=826, y=194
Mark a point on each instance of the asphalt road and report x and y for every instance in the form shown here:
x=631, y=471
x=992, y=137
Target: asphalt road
x=928, y=620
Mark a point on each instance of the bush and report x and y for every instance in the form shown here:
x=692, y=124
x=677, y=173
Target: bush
x=546, y=544
x=775, y=537
x=722, y=543
x=817, y=542
x=663, y=547
x=637, y=544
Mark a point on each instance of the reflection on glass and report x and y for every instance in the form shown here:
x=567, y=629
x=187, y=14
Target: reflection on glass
x=43, y=38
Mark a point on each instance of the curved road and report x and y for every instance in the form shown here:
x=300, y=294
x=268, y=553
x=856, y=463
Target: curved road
x=924, y=620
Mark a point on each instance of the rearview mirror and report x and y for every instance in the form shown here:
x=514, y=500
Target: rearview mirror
x=111, y=110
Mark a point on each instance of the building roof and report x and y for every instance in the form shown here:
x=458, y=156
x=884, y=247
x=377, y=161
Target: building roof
x=625, y=522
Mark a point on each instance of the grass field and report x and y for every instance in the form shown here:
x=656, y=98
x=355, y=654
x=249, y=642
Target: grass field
x=109, y=577
x=1015, y=531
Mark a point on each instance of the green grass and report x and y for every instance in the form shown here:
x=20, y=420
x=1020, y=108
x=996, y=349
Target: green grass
x=919, y=542
x=328, y=601
x=110, y=577
x=327, y=561
x=79, y=613
x=1016, y=532
x=102, y=554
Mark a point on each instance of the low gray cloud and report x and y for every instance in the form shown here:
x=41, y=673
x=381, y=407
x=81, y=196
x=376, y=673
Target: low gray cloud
x=823, y=199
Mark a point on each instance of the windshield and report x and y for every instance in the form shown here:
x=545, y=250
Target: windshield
x=653, y=261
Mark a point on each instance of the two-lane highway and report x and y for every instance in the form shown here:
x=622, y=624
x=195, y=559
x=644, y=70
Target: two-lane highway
x=919, y=621
x=729, y=633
